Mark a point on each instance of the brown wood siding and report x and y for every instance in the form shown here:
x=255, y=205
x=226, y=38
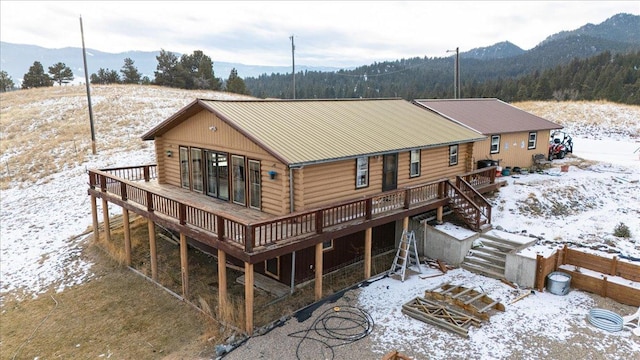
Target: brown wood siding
x=434, y=164
x=161, y=156
x=298, y=189
x=513, y=149
x=197, y=132
x=335, y=182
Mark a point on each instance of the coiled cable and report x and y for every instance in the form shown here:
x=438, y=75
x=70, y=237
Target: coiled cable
x=336, y=326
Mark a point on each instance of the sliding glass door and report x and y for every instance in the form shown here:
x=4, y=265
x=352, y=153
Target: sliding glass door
x=217, y=169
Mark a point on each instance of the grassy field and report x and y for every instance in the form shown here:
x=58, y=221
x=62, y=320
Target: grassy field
x=118, y=314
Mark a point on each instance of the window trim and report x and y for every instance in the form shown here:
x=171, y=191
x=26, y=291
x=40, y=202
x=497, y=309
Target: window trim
x=200, y=168
x=328, y=248
x=411, y=162
x=497, y=149
x=453, y=155
x=185, y=182
x=234, y=179
x=359, y=171
x=251, y=184
x=535, y=140
x=266, y=271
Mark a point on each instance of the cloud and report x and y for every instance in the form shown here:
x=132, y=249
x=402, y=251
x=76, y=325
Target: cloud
x=344, y=33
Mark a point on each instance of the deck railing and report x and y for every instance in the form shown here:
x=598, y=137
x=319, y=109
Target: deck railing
x=120, y=182
x=315, y=221
x=481, y=177
x=109, y=181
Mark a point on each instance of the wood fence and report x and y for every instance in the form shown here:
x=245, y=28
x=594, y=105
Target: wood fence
x=607, y=267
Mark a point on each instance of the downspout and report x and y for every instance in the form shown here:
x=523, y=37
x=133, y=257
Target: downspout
x=292, y=208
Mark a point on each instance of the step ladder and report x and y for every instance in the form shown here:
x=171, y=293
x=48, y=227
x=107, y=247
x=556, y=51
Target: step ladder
x=406, y=255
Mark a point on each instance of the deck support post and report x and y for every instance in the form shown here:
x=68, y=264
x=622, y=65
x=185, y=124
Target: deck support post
x=105, y=220
x=184, y=265
x=248, y=297
x=439, y=213
x=367, y=253
x=318, y=282
x=293, y=271
x=127, y=236
x=405, y=224
x=222, y=280
x=94, y=216
x=153, y=249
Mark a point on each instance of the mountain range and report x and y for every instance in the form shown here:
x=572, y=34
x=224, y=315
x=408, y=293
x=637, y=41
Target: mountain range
x=618, y=34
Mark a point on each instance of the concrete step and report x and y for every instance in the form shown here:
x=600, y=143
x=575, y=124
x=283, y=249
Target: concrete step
x=483, y=271
x=513, y=244
x=484, y=264
x=491, y=243
x=499, y=259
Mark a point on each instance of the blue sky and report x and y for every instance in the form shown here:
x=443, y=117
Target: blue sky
x=326, y=33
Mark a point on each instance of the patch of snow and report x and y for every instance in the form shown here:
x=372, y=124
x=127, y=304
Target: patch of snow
x=455, y=231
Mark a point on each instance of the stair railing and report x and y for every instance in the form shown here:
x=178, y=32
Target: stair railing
x=464, y=206
x=477, y=197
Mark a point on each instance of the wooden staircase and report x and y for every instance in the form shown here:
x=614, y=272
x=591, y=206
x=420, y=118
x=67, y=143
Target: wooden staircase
x=490, y=258
x=473, y=208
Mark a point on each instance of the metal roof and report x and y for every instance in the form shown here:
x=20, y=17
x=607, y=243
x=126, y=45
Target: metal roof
x=488, y=116
x=300, y=132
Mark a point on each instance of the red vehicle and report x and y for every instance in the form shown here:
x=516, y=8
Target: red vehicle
x=559, y=145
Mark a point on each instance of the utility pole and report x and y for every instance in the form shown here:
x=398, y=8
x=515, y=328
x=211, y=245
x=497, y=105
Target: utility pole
x=86, y=80
x=293, y=61
x=456, y=74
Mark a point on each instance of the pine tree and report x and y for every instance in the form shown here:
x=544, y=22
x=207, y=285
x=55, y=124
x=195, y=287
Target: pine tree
x=105, y=77
x=6, y=83
x=130, y=74
x=198, y=72
x=36, y=77
x=235, y=84
x=61, y=73
x=167, y=71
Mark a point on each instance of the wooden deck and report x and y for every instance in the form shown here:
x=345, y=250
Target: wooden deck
x=254, y=236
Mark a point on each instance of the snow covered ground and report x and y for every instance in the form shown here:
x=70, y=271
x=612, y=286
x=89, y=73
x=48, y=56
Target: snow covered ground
x=40, y=224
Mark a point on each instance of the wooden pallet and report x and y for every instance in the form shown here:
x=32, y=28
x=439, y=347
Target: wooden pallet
x=475, y=303
x=440, y=315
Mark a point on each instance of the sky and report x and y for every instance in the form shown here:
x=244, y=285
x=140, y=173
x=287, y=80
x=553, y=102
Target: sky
x=325, y=33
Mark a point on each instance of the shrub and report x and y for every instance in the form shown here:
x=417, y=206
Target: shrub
x=621, y=230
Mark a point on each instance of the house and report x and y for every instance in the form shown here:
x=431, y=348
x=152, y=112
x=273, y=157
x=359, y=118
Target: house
x=513, y=135
x=294, y=188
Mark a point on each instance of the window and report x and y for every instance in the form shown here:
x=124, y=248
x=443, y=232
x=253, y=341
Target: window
x=184, y=168
x=217, y=175
x=495, y=144
x=327, y=245
x=272, y=267
x=196, y=168
x=415, y=163
x=223, y=176
x=212, y=173
x=362, y=172
x=453, y=155
x=254, y=184
x=238, y=178
x=532, y=140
